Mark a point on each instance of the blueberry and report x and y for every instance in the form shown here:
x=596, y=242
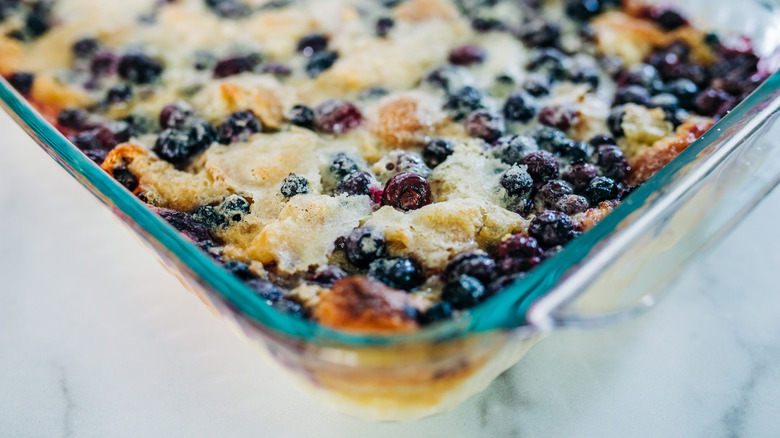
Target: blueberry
x=579, y=152
x=615, y=120
x=643, y=75
x=601, y=189
x=436, y=151
x=103, y=137
x=372, y=93
x=600, y=139
x=552, y=140
x=684, y=90
x=240, y=269
x=511, y=149
x=238, y=126
x=407, y=191
x=613, y=162
x=138, y=124
x=112, y=133
x=678, y=116
x=294, y=185
x=138, y=68
x=437, y=312
x=397, y=272
x=179, y=146
x=552, y=191
x=337, y=117
x=96, y=155
x=484, y=124
x=441, y=77
x=482, y=25
x=185, y=224
x=583, y=10
x=266, y=290
x=38, y=20
x=519, y=107
x=233, y=65
x=326, y=276
x=551, y=62
x=383, y=26
x=312, y=43
x=364, y=245
x=464, y=292
x=540, y=33
x=537, y=85
x=463, y=102
x=558, y=116
x=551, y=228
x=290, y=307
x=209, y=217
x=357, y=184
x=343, y=165
x=86, y=141
x=475, y=264
x=736, y=66
x=580, y=175
x=572, y=204
x=276, y=69
x=669, y=19
x=407, y=162
x=73, y=118
x=542, y=166
x=319, y=62
x=119, y=93
x=22, y=82
x=103, y=64
x=665, y=101
x=632, y=94
x=302, y=115
x=174, y=116
x=228, y=8
x=709, y=101
x=516, y=182
x=234, y=207
x=518, y=253
x=585, y=75
x=467, y=55
x=85, y=47
x=126, y=178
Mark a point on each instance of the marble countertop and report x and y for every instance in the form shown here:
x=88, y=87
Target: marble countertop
x=98, y=340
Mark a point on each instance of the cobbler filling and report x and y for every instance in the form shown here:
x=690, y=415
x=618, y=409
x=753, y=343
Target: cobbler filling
x=376, y=165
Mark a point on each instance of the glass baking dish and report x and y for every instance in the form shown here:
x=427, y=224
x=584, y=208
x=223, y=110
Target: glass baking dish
x=613, y=271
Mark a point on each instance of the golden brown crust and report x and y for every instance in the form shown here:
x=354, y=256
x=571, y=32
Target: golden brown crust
x=588, y=219
x=406, y=121
x=122, y=155
x=360, y=304
x=652, y=159
x=419, y=10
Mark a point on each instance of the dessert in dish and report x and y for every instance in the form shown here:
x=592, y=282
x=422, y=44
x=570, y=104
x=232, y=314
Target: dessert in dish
x=376, y=166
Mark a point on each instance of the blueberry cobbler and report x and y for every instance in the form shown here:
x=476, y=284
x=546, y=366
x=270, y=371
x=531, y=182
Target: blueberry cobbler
x=375, y=165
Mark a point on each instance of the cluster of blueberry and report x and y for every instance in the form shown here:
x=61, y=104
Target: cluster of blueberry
x=594, y=172
x=314, y=48
x=200, y=227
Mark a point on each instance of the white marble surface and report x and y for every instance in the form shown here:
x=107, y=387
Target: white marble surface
x=98, y=340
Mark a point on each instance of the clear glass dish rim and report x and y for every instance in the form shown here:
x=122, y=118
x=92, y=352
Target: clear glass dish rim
x=506, y=310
